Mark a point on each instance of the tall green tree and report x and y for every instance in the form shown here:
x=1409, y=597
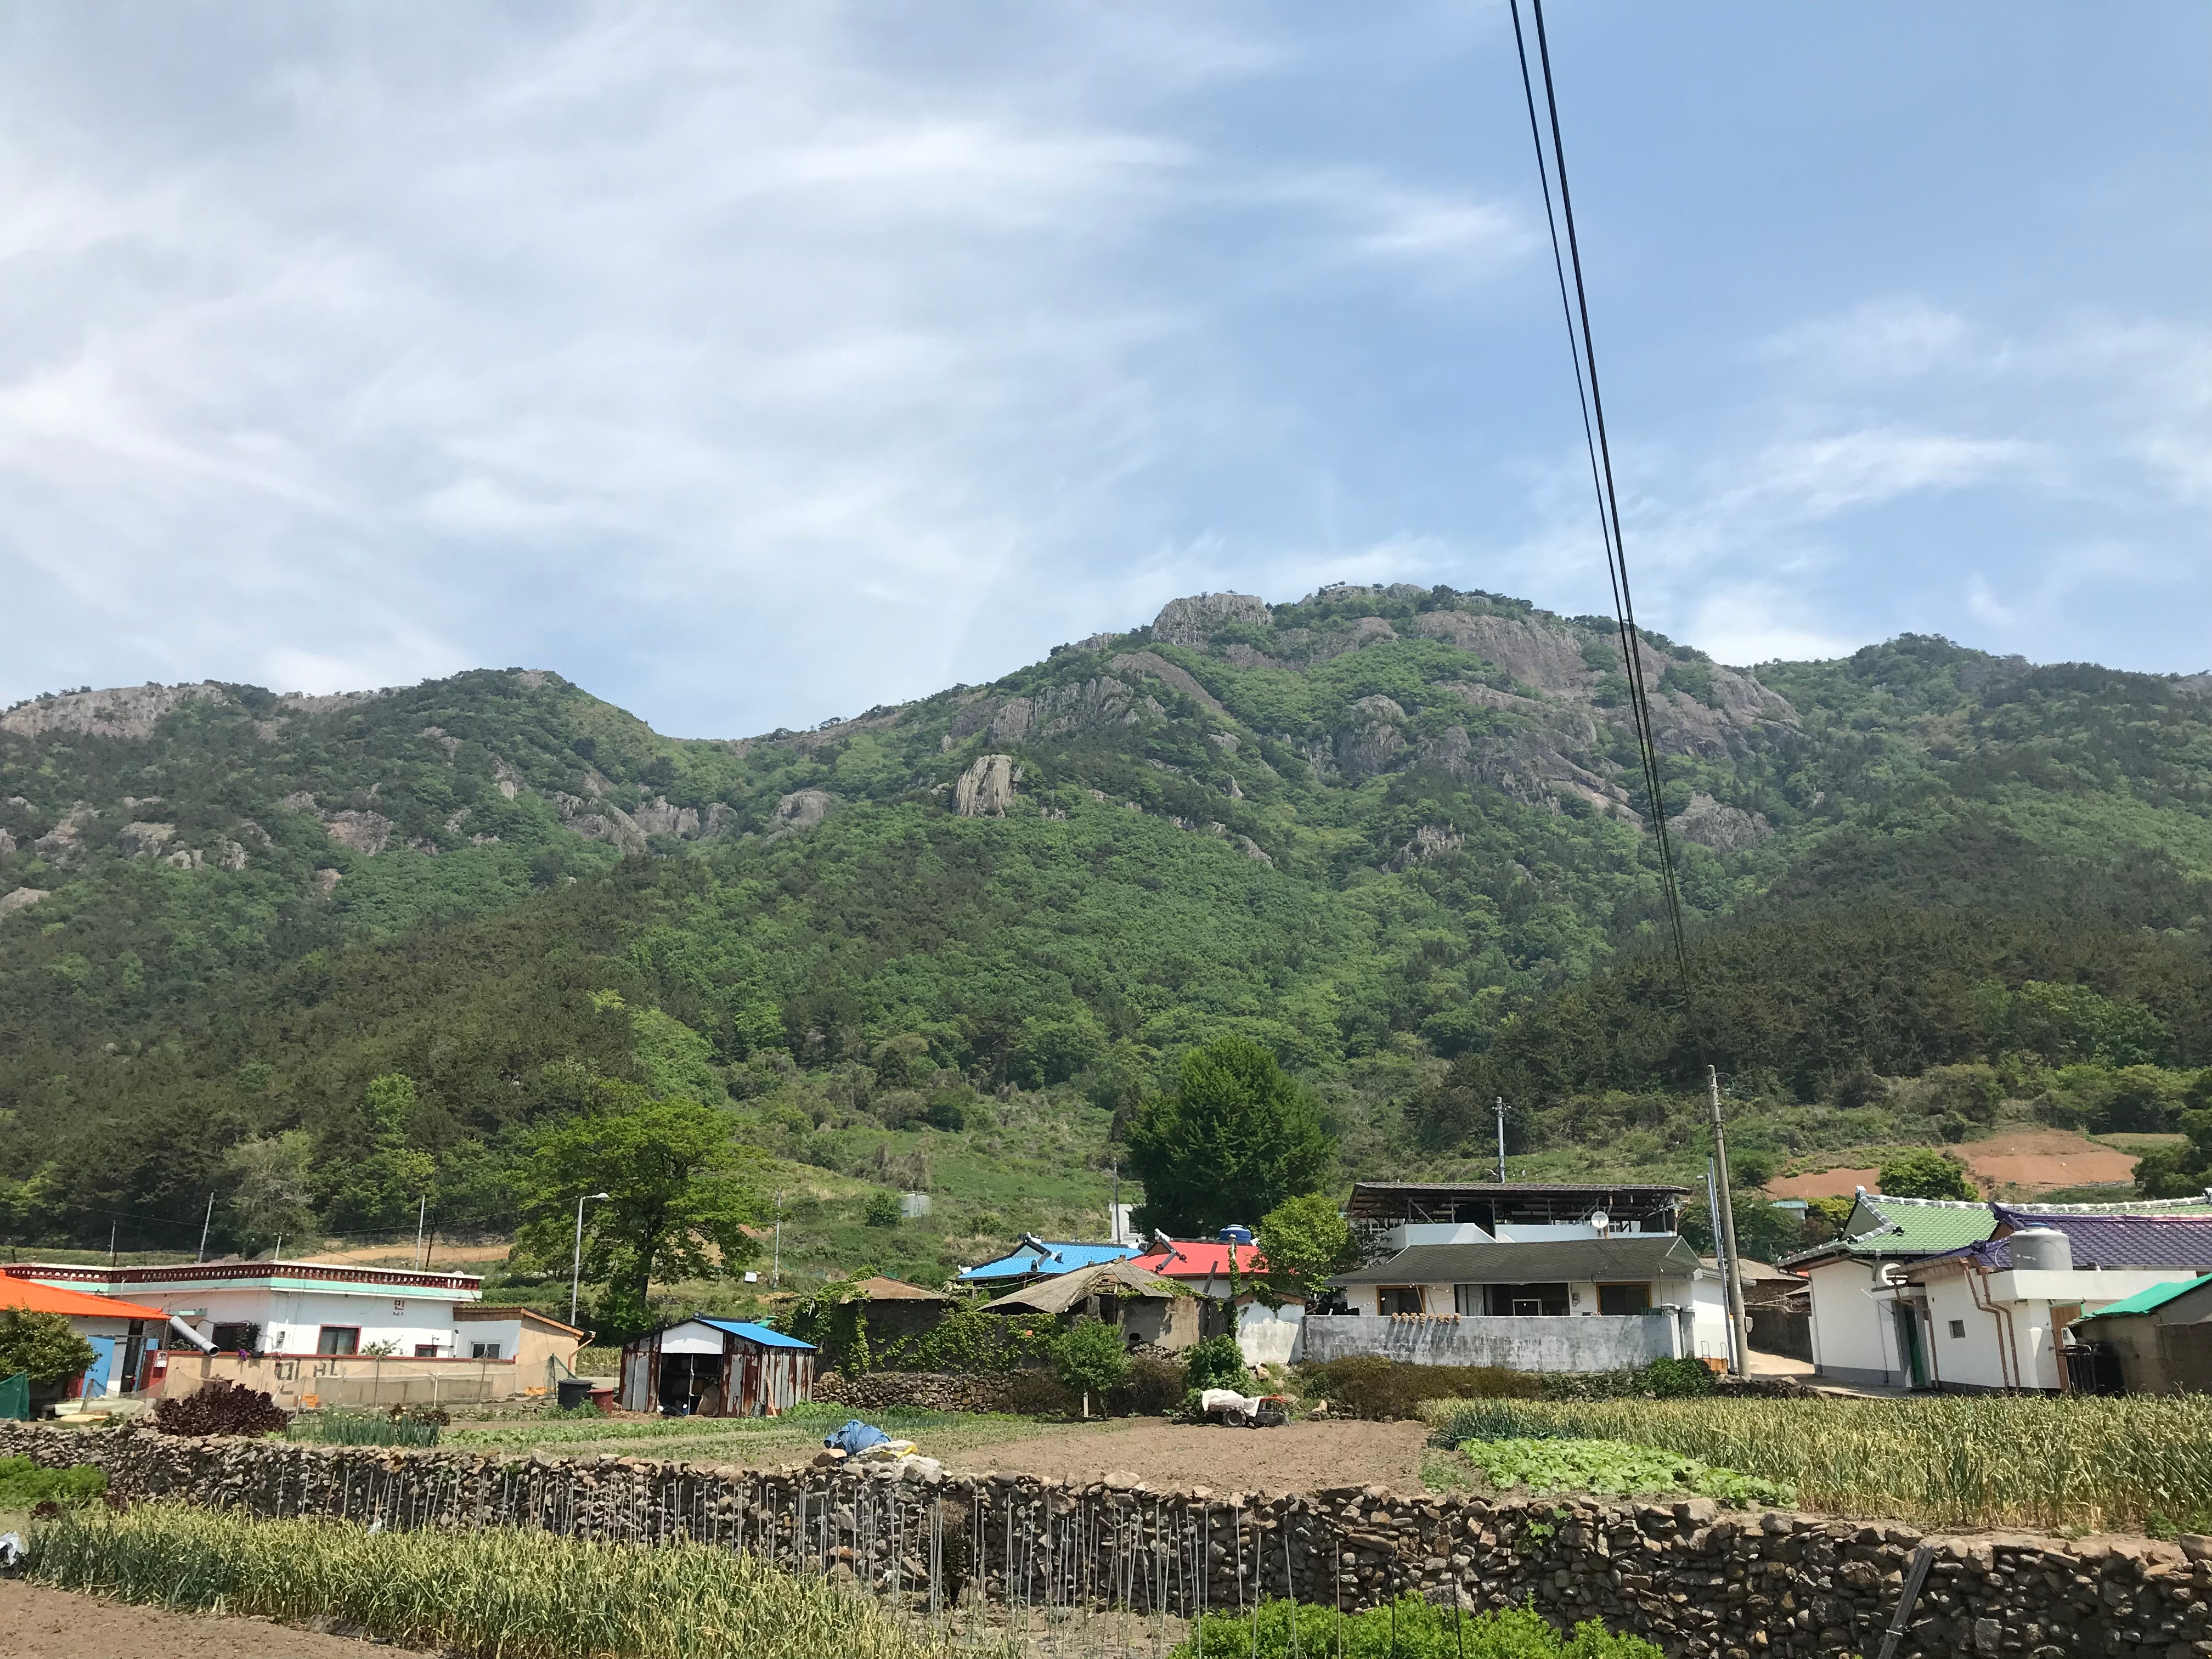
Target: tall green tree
x=1304, y=1240
x=383, y=1187
x=681, y=1193
x=1232, y=1140
x=1927, y=1173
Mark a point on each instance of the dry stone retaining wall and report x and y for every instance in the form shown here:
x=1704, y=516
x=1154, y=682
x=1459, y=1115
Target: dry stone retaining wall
x=937, y=1391
x=1704, y=1583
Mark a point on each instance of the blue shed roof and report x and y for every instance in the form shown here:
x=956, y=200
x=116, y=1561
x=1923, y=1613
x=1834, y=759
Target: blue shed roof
x=752, y=1333
x=1063, y=1257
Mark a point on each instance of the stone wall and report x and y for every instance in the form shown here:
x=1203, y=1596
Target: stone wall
x=1589, y=1342
x=1704, y=1583
x=935, y=1391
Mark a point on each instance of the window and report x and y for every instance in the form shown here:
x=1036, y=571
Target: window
x=1400, y=1299
x=1527, y=1301
x=338, y=1339
x=1957, y=1327
x=426, y=1350
x=240, y=1338
x=1623, y=1298
x=1468, y=1299
x=484, y=1350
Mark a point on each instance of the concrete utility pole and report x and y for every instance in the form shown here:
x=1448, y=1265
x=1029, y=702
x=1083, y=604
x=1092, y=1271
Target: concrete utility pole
x=206, y=1223
x=422, y=1214
x=775, y=1262
x=576, y=1263
x=1731, y=1265
x=1500, y=1101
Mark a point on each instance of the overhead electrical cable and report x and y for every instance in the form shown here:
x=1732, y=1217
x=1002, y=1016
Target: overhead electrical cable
x=1583, y=351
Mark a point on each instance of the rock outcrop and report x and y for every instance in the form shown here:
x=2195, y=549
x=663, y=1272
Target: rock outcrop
x=986, y=789
x=22, y=899
x=802, y=809
x=1195, y=620
x=1724, y=829
x=126, y=711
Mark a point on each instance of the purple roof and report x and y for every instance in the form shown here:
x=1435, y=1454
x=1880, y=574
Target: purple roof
x=2111, y=1240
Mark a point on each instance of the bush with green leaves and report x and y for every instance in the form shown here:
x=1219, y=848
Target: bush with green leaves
x=1927, y=1173
x=24, y=1485
x=1091, y=1358
x=45, y=1346
x=1385, y=1390
x=1216, y=1363
x=1614, y=1468
x=1153, y=1389
x=882, y=1209
x=1408, y=1628
x=1663, y=1379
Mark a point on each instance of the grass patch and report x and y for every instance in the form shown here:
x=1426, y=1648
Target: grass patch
x=1408, y=1628
x=337, y=1425
x=491, y=1595
x=2057, y=1462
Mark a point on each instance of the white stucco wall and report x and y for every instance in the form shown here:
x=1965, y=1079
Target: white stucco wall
x=1270, y=1336
x=1853, y=1336
x=291, y=1321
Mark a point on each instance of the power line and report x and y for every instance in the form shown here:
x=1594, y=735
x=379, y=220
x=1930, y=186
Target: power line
x=1591, y=401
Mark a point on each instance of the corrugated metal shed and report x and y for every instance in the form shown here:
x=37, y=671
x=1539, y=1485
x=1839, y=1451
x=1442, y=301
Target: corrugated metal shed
x=706, y=1367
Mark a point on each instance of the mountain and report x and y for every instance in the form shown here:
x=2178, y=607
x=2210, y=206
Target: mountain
x=1398, y=834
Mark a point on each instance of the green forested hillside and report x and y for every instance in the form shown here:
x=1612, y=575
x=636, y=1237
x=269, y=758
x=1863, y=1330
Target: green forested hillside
x=1397, y=835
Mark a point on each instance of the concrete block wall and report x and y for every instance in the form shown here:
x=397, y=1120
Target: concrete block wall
x=1703, y=1582
x=1590, y=1342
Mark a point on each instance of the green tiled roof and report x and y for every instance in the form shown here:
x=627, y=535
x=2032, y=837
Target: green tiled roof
x=1906, y=1226
x=2156, y=1297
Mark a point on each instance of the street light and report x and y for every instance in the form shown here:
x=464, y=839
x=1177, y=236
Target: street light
x=576, y=1267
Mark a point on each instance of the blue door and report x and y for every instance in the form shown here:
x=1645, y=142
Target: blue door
x=103, y=1362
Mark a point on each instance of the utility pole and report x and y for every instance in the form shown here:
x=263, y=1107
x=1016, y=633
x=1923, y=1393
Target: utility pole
x=576, y=1264
x=1724, y=1197
x=1713, y=1210
x=111, y=1243
x=206, y=1223
x=422, y=1214
x=1501, y=1139
x=775, y=1262
x=1114, y=1210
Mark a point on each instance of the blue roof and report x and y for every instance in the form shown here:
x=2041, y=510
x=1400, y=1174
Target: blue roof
x=752, y=1333
x=1027, y=1263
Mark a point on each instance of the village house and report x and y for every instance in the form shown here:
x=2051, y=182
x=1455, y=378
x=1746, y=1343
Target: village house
x=1150, y=1310
x=1034, y=1258
x=321, y=1332
x=1389, y=1216
x=2157, y=1341
x=1220, y=1271
x=1996, y=1314
x=1867, y=1328
x=1592, y=1303
x=119, y=1333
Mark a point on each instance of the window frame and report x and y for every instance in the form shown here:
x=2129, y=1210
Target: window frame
x=1385, y=1293
x=324, y=1334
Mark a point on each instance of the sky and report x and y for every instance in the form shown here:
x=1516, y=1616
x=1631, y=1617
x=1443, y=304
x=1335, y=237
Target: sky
x=753, y=366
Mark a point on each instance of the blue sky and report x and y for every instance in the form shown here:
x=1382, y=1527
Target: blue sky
x=751, y=365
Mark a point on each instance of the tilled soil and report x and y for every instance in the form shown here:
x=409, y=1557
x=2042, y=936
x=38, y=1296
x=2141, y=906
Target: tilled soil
x=36, y=1622
x=1297, y=1457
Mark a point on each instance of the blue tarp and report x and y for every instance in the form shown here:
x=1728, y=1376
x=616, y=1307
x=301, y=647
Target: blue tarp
x=855, y=1437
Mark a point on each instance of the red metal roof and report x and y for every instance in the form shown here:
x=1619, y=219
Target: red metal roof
x=1198, y=1258
x=34, y=1297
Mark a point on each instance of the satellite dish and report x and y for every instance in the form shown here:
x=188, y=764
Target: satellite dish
x=1600, y=1220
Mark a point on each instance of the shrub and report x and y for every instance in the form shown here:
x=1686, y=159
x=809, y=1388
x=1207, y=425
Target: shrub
x=1369, y=1386
x=882, y=1209
x=1153, y=1388
x=1040, y=1393
x=1663, y=1379
x=45, y=1346
x=1091, y=1358
x=219, y=1406
x=24, y=1485
x=1926, y=1174
x=1409, y=1628
x=1216, y=1363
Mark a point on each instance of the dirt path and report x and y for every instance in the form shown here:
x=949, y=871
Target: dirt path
x=1298, y=1457
x=39, y=1623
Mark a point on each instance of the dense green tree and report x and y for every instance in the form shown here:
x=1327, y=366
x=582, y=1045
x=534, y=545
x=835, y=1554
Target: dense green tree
x=44, y=1345
x=1234, y=1138
x=1304, y=1240
x=1091, y=1357
x=1927, y=1173
x=681, y=1195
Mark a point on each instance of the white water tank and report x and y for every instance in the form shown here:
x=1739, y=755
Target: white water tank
x=2041, y=1249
